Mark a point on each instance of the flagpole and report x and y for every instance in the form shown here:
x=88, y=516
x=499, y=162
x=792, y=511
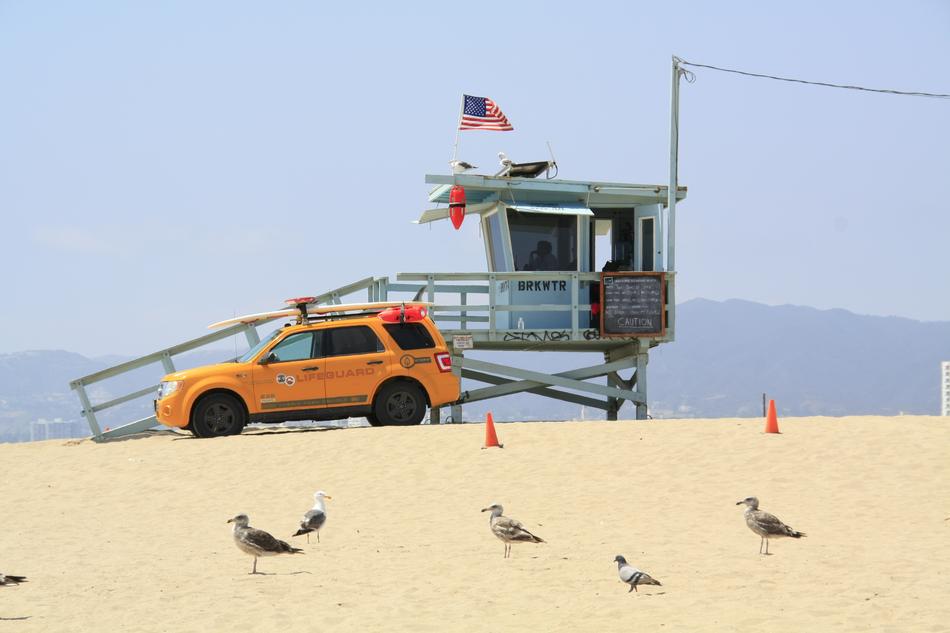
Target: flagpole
x=458, y=129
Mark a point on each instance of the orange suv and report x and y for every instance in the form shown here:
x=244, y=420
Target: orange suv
x=385, y=362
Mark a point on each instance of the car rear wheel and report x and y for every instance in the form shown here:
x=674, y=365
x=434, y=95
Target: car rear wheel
x=399, y=404
x=218, y=414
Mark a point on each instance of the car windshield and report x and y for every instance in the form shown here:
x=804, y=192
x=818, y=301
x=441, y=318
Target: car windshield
x=251, y=353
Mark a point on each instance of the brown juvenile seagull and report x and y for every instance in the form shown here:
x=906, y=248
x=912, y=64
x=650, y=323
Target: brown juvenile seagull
x=8, y=580
x=509, y=530
x=256, y=543
x=764, y=524
x=633, y=576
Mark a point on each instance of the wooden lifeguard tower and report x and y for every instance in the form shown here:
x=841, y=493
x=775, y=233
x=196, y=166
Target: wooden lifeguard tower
x=572, y=266
x=546, y=291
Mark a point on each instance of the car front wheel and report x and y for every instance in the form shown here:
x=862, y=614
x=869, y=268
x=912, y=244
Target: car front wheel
x=218, y=414
x=400, y=404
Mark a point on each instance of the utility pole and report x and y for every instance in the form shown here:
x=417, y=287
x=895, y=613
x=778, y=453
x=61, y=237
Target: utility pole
x=674, y=164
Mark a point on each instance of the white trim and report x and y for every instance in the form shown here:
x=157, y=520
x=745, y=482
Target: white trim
x=551, y=209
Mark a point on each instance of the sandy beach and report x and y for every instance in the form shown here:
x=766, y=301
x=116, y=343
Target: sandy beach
x=131, y=535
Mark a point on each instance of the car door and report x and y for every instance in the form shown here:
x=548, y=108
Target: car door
x=291, y=378
x=356, y=362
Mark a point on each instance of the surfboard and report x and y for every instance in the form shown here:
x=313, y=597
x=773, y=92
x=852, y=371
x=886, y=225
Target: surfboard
x=250, y=319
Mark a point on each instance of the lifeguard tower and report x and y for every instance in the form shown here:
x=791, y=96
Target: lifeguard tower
x=572, y=266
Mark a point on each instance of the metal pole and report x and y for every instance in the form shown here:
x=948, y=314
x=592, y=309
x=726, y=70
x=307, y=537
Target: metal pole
x=458, y=129
x=674, y=161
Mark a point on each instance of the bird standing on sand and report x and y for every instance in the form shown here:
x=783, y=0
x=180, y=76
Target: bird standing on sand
x=764, y=524
x=7, y=580
x=256, y=543
x=460, y=166
x=508, y=530
x=633, y=576
x=314, y=519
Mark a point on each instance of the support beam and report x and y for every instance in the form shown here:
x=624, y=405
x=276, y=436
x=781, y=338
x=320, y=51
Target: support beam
x=541, y=391
x=80, y=387
x=132, y=428
x=613, y=404
x=555, y=380
x=641, y=376
x=523, y=385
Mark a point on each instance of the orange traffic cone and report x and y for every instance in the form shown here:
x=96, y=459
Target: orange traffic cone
x=490, y=438
x=771, y=420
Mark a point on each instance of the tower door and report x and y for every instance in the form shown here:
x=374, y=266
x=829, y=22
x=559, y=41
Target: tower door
x=648, y=246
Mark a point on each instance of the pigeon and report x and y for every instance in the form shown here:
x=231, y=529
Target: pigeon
x=633, y=576
x=764, y=524
x=509, y=530
x=256, y=543
x=314, y=519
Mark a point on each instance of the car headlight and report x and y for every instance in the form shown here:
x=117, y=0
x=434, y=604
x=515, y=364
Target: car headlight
x=168, y=387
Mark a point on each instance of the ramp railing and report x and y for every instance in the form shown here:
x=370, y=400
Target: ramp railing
x=163, y=363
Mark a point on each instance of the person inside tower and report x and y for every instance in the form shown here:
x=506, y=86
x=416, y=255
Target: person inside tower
x=542, y=258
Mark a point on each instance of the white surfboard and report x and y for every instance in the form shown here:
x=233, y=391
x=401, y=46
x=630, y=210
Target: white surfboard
x=316, y=310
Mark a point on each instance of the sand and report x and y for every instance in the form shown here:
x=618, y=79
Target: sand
x=131, y=535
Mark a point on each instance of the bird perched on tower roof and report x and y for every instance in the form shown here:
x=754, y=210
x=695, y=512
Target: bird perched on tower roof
x=460, y=166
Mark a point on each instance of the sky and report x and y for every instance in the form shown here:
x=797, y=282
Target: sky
x=167, y=165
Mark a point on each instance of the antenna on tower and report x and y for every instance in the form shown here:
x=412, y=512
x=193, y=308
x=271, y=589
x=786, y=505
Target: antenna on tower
x=553, y=162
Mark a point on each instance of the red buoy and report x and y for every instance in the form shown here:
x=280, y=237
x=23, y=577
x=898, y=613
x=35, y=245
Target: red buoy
x=457, y=206
x=404, y=314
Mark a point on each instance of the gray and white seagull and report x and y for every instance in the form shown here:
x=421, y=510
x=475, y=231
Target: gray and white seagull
x=633, y=576
x=460, y=166
x=314, y=519
x=257, y=543
x=6, y=580
x=764, y=524
x=508, y=530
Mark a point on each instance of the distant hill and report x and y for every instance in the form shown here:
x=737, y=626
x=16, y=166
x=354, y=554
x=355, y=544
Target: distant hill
x=813, y=362
x=35, y=385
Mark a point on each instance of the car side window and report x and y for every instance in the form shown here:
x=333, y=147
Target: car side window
x=359, y=339
x=295, y=347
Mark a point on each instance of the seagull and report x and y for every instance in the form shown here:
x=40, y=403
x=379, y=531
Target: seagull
x=254, y=542
x=316, y=517
x=633, y=576
x=505, y=164
x=460, y=166
x=764, y=524
x=509, y=530
x=7, y=580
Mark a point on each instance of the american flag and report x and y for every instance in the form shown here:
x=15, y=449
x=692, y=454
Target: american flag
x=481, y=113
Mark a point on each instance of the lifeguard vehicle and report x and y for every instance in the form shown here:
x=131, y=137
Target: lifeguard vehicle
x=385, y=361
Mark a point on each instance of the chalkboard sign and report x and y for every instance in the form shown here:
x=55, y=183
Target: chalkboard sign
x=632, y=304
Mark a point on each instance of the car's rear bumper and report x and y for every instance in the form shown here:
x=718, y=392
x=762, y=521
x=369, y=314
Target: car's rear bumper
x=445, y=390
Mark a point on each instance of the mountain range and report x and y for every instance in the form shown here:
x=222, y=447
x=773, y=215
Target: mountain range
x=726, y=355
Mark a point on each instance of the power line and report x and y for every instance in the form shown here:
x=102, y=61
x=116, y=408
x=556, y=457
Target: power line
x=815, y=83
